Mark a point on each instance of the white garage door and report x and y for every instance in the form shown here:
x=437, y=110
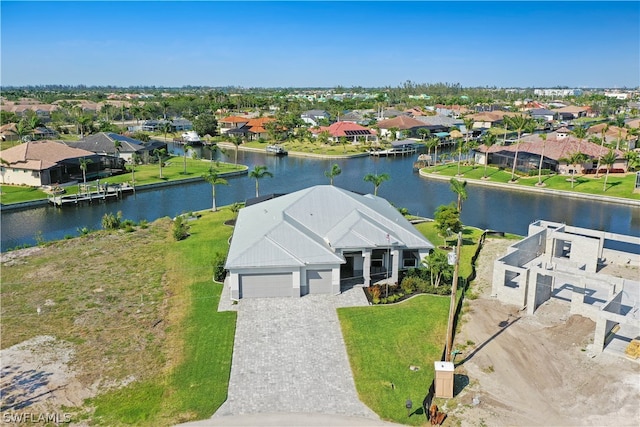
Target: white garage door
x=266, y=285
x=319, y=281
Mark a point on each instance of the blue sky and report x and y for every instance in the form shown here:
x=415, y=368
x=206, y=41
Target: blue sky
x=321, y=44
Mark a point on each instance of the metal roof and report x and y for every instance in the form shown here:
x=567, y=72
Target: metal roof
x=311, y=226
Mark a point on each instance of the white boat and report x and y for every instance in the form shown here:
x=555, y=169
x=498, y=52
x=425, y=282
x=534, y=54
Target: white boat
x=191, y=137
x=276, y=150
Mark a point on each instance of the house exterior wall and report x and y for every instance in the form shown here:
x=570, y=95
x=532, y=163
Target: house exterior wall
x=28, y=177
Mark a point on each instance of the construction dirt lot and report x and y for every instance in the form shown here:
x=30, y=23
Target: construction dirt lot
x=523, y=370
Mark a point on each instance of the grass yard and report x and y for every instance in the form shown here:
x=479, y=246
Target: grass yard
x=135, y=305
x=313, y=147
x=144, y=175
x=384, y=341
x=618, y=185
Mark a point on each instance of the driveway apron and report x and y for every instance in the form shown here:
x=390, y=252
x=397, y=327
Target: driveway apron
x=289, y=356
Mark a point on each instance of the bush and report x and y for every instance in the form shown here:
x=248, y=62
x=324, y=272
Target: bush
x=219, y=273
x=410, y=284
x=111, y=221
x=180, y=229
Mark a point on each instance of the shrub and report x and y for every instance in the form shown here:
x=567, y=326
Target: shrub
x=375, y=291
x=409, y=284
x=111, y=221
x=219, y=273
x=143, y=223
x=180, y=229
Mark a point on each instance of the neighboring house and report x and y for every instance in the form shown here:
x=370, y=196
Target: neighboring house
x=43, y=111
x=176, y=125
x=37, y=163
x=558, y=147
x=315, y=117
x=406, y=124
x=484, y=121
x=439, y=123
x=233, y=125
x=615, y=135
x=358, y=117
x=571, y=112
x=542, y=114
x=9, y=132
x=351, y=131
x=577, y=266
x=250, y=128
x=310, y=241
x=104, y=143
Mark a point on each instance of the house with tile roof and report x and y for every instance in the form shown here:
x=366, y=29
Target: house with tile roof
x=618, y=136
x=406, y=124
x=246, y=127
x=315, y=117
x=37, y=163
x=352, y=131
x=557, y=148
x=314, y=240
x=572, y=112
x=105, y=144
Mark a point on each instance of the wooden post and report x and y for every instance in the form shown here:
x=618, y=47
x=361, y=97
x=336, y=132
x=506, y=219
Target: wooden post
x=452, y=306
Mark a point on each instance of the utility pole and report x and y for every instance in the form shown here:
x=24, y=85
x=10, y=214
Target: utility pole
x=452, y=305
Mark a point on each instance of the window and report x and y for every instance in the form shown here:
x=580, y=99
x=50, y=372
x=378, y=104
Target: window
x=409, y=263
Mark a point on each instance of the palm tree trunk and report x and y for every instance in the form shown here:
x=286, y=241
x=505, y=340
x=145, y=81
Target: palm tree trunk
x=515, y=161
x=599, y=157
x=213, y=193
x=606, y=177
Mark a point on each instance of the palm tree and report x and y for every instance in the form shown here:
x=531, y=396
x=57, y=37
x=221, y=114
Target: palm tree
x=166, y=128
x=460, y=188
x=460, y=143
x=236, y=140
x=543, y=137
x=603, y=135
x=135, y=158
x=159, y=153
x=335, y=171
x=580, y=133
x=83, y=122
x=633, y=160
x=117, y=144
x=424, y=133
x=212, y=178
x=258, y=173
x=343, y=141
x=519, y=123
x=575, y=159
x=376, y=180
x=608, y=159
x=165, y=106
x=488, y=140
x=186, y=147
x=21, y=130
x=84, y=163
x=434, y=142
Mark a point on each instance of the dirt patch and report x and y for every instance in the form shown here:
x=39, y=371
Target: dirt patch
x=517, y=369
x=36, y=374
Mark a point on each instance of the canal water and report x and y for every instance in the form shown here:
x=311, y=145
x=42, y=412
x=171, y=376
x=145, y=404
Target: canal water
x=486, y=208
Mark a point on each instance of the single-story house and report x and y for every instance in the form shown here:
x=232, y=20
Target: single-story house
x=401, y=123
x=351, y=131
x=315, y=117
x=558, y=147
x=37, y=163
x=571, y=112
x=542, y=114
x=104, y=143
x=309, y=241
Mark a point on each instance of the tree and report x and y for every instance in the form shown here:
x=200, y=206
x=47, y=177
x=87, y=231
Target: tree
x=117, y=145
x=335, y=171
x=135, y=158
x=84, y=121
x=543, y=137
x=258, y=173
x=185, y=148
x=160, y=153
x=166, y=128
x=488, y=140
x=206, y=124
x=603, y=135
x=608, y=160
x=447, y=219
x=460, y=188
x=376, y=180
x=439, y=268
x=165, y=107
x=575, y=159
x=424, y=133
x=212, y=178
x=343, y=140
x=236, y=140
x=84, y=164
x=519, y=123
x=633, y=160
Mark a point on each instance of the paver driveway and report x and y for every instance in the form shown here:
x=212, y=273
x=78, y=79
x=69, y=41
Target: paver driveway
x=289, y=356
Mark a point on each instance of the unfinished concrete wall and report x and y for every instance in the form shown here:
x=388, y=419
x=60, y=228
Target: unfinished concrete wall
x=610, y=256
x=510, y=283
x=539, y=288
x=585, y=250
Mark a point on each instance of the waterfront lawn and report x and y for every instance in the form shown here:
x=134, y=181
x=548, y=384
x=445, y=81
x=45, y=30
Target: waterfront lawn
x=144, y=174
x=313, y=147
x=384, y=341
x=199, y=343
x=618, y=185
x=20, y=193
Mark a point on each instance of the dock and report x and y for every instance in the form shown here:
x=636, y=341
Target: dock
x=88, y=194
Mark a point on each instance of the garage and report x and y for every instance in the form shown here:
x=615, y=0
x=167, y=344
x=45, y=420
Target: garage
x=319, y=281
x=266, y=285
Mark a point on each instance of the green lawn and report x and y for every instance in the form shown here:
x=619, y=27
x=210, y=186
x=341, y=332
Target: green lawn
x=144, y=175
x=383, y=341
x=618, y=185
x=199, y=341
x=313, y=147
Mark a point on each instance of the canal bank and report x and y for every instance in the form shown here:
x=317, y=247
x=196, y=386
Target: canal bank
x=539, y=190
